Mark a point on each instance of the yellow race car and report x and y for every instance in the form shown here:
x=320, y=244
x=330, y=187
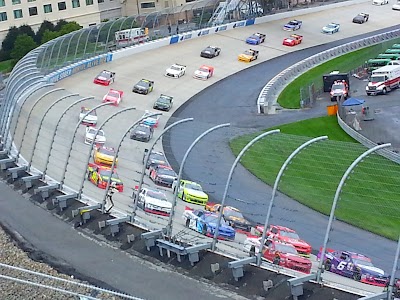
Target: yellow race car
x=248, y=55
x=104, y=156
x=191, y=192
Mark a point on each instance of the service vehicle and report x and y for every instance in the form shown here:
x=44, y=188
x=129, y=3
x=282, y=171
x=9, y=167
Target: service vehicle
x=155, y=158
x=144, y=86
x=256, y=38
x=131, y=36
x=210, y=52
x=293, y=40
x=361, y=18
x=164, y=102
x=152, y=121
x=206, y=223
x=331, y=28
x=105, y=78
x=248, y=55
x=175, y=71
x=354, y=265
x=99, y=175
x=380, y=2
x=204, y=72
x=96, y=134
x=396, y=6
x=376, y=63
x=113, y=96
x=392, y=56
x=383, y=80
x=293, y=25
x=104, y=156
x=90, y=119
x=142, y=132
x=154, y=202
x=162, y=174
x=279, y=253
x=395, y=46
x=392, y=51
x=190, y=192
x=339, y=89
x=232, y=216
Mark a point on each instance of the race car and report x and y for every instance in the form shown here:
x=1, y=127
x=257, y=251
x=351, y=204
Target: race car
x=105, y=78
x=206, y=223
x=150, y=121
x=396, y=6
x=164, y=102
x=279, y=253
x=248, y=55
x=204, y=72
x=154, y=202
x=380, y=2
x=232, y=216
x=293, y=25
x=256, y=39
x=155, y=158
x=331, y=28
x=113, y=96
x=99, y=175
x=142, y=132
x=339, y=89
x=293, y=40
x=191, y=192
x=104, y=156
x=210, y=52
x=354, y=265
x=90, y=119
x=175, y=71
x=162, y=174
x=94, y=133
x=144, y=86
x=361, y=18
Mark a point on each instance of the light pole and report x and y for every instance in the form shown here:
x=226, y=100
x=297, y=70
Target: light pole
x=146, y=159
x=249, y=144
x=335, y=200
x=275, y=188
x=171, y=215
x=393, y=274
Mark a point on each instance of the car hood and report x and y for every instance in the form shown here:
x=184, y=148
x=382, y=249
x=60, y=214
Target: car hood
x=288, y=40
x=102, y=78
x=296, y=258
x=163, y=104
x=238, y=220
x=295, y=242
x=195, y=193
x=172, y=71
x=139, y=87
x=99, y=138
x=245, y=55
x=88, y=117
x=327, y=29
x=201, y=73
x=221, y=227
x=289, y=26
x=140, y=132
x=112, y=179
x=158, y=202
x=372, y=270
x=337, y=91
x=172, y=178
x=110, y=97
x=105, y=156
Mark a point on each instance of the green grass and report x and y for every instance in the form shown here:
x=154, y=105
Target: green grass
x=6, y=66
x=290, y=96
x=371, y=193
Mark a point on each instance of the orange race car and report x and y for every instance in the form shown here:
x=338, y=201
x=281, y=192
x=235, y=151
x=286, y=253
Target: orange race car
x=232, y=216
x=293, y=40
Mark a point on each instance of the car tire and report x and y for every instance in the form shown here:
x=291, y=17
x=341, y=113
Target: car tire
x=187, y=223
x=183, y=197
x=89, y=175
x=384, y=91
x=357, y=275
x=252, y=251
x=97, y=183
x=204, y=230
x=327, y=265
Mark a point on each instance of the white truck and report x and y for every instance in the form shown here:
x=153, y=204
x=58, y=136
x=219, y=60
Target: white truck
x=383, y=80
x=131, y=36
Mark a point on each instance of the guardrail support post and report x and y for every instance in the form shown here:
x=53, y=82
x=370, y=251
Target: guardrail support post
x=237, y=266
x=296, y=284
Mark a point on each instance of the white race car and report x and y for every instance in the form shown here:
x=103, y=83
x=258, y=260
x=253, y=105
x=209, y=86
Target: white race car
x=90, y=119
x=331, y=28
x=91, y=133
x=175, y=71
x=380, y=2
x=154, y=201
x=396, y=6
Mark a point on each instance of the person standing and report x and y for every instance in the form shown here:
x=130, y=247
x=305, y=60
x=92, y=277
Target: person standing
x=111, y=190
x=169, y=29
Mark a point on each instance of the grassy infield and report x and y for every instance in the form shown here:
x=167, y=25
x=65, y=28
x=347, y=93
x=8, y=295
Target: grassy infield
x=370, y=199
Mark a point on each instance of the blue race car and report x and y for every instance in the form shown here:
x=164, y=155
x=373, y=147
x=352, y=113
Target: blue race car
x=293, y=25
x=354, y=265
x=331, y=28
x=205, y=222
x=256, y=39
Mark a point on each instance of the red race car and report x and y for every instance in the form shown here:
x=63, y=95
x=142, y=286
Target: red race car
x=113, y=96
x=287, y=235
x=105, y=78
x=99, y=175
x=162, y=175
x=293, y=40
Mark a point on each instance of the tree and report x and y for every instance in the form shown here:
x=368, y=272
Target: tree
x=26, y=29
x=49, y=35
x=23, y=44
x=60, y=24
x=70, y=27
x=46, y=25
x=9, y=40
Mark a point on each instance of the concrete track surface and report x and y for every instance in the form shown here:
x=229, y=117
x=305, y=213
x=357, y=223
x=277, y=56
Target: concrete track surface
x=231, y=100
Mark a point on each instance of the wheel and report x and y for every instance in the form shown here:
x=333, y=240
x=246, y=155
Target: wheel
x=204, y=230
x=384, y=91
x=252, y=251
x=328, y=265
x=98, y=183
x=89, y=175
x=187, y=222
x=357, y=275
x=183, y=197
x=144, y=205
x=146, y=92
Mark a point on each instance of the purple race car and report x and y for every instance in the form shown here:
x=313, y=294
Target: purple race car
x=354, y=265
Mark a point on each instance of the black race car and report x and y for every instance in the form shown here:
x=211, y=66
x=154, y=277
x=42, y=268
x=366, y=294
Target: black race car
x=361, y=18
x=155, y=157
x=142, y=132
x=144, y=86
x=164, y=103
x=210, y=52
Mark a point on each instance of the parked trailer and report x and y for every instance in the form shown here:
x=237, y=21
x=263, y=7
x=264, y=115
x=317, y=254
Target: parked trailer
x=131, y=36
x=383, y=80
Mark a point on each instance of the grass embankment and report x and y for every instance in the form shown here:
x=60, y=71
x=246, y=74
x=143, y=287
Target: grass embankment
x=290, y=96
x=370, y=197
x=6, y=66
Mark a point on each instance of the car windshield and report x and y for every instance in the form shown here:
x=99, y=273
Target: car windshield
x=94, y=130
x=107, y=173
x=248, y=52
x=285, y=248
x=204, y=70
x=292, y=235
x=338, y=87
x=164, y=100
x=176, y=68
x=113, y=94
x=233, y=213
x=167, y=172
x=143, y=84
x=107, y=151
x=331, y=26
x=157, y=195
x=86, y=110
x=142, y=127
x=213, y=219
x=193, y=186
x=106, y=75
x=292, y=23
x=377, y=78
x=363, y=262
x=209, y=49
